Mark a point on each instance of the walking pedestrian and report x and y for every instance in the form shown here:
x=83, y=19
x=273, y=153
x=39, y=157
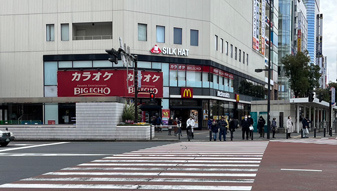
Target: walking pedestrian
x=159, y=123
x=190, y=123
x=273, y=126
x=245, y=127
x=170, y=123
x=215, y=129
x=223, y=129
x=251, y=128
x=233, y=124
x=305, y=129
x=260, y=125
x=209, y=124
x=290, y=126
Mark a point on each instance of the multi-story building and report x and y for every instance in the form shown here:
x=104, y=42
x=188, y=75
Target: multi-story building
x=272, y=35
x=300, y=42
x=195, y=55
x=313, y=8
x=285, y=32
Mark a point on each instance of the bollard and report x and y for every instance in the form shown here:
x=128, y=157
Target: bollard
x=301, y=133
x=330, y=131
x=287, y=134
x=252, y=132
x=314, y=132
x=151, y=132
x=324, y=131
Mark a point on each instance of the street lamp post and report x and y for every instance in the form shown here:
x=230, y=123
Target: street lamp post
x=269, y=69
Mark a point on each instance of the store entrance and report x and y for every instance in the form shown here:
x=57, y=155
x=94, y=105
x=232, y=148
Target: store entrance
x=184, y=114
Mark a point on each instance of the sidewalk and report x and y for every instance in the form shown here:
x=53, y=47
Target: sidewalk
x=203, y=135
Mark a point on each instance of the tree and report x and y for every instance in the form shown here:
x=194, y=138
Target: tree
x=303, y=77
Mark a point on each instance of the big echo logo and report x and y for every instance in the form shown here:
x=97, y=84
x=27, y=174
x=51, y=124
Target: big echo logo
x=186, y=92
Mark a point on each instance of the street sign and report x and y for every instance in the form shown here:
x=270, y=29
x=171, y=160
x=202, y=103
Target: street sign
x=139, y=79
x=333, y=94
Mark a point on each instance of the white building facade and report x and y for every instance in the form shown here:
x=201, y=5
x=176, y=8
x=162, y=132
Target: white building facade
x=206, y=47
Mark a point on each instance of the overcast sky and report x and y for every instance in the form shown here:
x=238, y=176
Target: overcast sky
x=329, y=10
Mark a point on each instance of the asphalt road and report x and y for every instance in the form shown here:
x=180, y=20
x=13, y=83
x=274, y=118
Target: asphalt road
x=26, y=159
x=295, y=164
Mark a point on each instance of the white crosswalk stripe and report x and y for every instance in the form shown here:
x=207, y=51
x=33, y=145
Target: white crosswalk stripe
x=204, y=166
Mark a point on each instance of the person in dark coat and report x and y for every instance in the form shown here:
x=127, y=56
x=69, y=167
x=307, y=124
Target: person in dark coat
x=170, y=123
x=305, y=123
x=223, y=129
x=215, y=129
x=233, y=124
x=260, y=125
x=245, y=127
x=209, y=124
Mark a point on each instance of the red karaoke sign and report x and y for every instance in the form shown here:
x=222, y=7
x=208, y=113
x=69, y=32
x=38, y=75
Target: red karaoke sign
x=107, y=83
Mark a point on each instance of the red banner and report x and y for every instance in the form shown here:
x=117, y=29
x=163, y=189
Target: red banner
x=180, y=67
x=194, y=68
x=107, y=83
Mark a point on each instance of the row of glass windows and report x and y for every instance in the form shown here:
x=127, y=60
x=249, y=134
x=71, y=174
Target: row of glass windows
x=224, y=47
x=173, y=78
x=50, y=32
x=160, y=34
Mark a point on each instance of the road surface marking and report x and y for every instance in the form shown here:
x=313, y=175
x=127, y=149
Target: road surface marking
x=185, y=158
x=48, y=154
x=196, y=155
x=162, y=169
x=87, y=179
x=175, y=161
x=169, y=164
x=111, y=186
x=303, y=170
x=33, y=146
x=149, y=174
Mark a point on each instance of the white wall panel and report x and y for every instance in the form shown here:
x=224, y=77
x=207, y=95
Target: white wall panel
x=6, y=30
x=64, y=6
x=6, y=7
x=102, y=5
x=50, y=6
x=82, y=5
x=20, y=32
x=35, y=32
x=21, y=7
x=35, y=6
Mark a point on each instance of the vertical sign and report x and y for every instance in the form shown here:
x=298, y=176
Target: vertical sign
x=299, y=41
x=139, y=79
x=333, y=94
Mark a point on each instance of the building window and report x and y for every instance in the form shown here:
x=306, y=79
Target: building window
x=243, y=57
x=194, y=37
x=142, y=32
x=236, y=53
x=231, y=51
x=178, y=32
x=247, y=59
x=50, y=32
x=226, y=48
x=221, y=45
x=161, y=34
x=239, y=55
x=216, y=42
x=65, y=32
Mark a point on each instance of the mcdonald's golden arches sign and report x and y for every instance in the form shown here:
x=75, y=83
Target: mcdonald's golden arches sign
x=186, y=92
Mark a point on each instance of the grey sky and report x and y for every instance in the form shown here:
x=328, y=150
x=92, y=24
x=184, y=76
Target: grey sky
x=329, y=10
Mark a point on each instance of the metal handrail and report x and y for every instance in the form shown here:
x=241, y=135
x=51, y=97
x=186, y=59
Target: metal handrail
x=93, y=37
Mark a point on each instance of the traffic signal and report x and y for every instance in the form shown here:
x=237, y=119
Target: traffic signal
x=311, y=96
x=113, y=55
x=320, y=97
x=152, y=96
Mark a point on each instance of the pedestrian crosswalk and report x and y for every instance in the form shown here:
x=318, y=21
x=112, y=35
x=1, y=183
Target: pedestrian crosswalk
x=322, y=141
x=179, y=166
